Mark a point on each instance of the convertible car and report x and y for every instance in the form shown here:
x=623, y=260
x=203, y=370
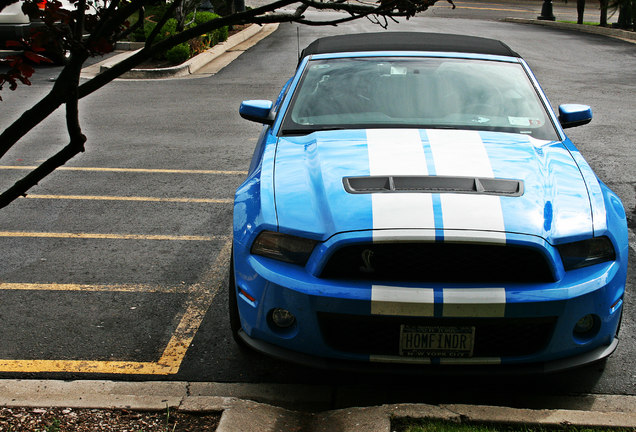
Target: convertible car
x=414, y=203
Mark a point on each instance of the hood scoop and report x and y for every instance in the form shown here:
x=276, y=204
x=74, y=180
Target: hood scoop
x=433, y=184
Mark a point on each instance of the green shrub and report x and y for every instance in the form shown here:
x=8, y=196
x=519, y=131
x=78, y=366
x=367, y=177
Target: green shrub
x=202, y=17
x=214, y=37
x=152, y=13
x=138, y=35
x=178, y=54
x=222, y=33
x=193, y=47
x=168, y=29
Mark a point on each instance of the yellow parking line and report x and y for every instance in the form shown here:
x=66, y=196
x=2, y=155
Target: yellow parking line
x=109, y=236
x=95, y=288
x=82, y=366
x=125, y=198
x=201, y=296
x=197, y=307
x=129, y=170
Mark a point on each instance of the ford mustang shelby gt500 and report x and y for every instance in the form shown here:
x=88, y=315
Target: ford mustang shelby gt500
x=414, y=199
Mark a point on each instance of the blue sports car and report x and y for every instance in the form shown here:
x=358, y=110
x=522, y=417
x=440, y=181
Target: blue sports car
x=413, y=201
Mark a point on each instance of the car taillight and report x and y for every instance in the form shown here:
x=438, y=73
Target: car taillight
x=42, y=5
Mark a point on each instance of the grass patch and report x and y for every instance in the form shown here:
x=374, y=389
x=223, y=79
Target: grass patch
x=405, y=424
x=589, y=23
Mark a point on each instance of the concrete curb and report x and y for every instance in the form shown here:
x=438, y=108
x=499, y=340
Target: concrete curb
x=190, y=66
x=244, y=409
x=624, y=35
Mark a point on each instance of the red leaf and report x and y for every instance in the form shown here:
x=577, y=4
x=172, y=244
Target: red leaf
x=25, y=69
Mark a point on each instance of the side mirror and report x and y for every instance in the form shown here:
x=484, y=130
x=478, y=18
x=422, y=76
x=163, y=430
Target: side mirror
x=257, y=111
x=571, y=115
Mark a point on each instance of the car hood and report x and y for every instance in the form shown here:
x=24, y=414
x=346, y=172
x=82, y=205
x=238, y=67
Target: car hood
x=311, y=198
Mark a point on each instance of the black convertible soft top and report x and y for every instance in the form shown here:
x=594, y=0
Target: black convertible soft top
x=408, y=41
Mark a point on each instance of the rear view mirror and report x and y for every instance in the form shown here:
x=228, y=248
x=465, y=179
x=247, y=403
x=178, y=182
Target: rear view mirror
x=257, y=111
x=571, y=115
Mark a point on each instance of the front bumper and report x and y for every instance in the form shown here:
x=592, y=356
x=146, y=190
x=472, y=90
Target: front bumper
x=553, y=366
x=269, y=284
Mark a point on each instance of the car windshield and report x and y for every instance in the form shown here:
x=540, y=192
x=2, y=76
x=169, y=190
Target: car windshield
x=372, y=92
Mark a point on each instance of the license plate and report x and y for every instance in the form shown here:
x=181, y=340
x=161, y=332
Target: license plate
x=436, y=341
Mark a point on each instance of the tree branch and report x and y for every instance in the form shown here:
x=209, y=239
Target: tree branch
x=109, y=24
x=45, y=106
x=167, y=14
x=116, y=17
x=75, y=146
x=141, y=17
x=57, y=96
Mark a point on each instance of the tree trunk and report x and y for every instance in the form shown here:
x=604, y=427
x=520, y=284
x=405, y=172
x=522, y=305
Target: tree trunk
x=603, y=12
x=580, y=10
x=626, y=14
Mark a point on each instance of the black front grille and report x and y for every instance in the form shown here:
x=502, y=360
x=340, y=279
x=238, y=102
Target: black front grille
x=438, y=262
x=494, y=337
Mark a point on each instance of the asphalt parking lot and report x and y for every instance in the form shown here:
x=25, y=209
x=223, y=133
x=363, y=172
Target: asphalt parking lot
x=115, y=266
x=113, y=313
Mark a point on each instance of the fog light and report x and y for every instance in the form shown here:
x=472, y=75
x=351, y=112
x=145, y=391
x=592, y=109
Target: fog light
x=585, y=326
x=283, y=318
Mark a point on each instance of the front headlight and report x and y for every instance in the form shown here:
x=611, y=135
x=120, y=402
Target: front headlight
x=283, y=247
x=586, y=253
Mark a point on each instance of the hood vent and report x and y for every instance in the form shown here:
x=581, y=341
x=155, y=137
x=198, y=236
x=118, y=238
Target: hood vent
x=433, y=184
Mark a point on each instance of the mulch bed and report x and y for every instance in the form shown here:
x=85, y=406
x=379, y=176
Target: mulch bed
x=94, y=420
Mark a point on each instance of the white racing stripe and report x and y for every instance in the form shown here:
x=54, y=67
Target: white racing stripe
x=462, y=153
x=404, y=235
x=399, y=152
x=474, y=302
x=406, y=301
x=396, y=152
x=474, y=212
x=459, y=153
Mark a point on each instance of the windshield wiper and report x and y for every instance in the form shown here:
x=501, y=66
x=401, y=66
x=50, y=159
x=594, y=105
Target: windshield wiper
x=308, y=130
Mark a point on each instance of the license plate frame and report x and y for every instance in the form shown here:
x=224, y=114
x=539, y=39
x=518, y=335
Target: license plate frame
x=436, y=341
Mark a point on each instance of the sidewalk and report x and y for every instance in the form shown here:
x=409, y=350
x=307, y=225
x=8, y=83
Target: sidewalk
x=259, y=407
